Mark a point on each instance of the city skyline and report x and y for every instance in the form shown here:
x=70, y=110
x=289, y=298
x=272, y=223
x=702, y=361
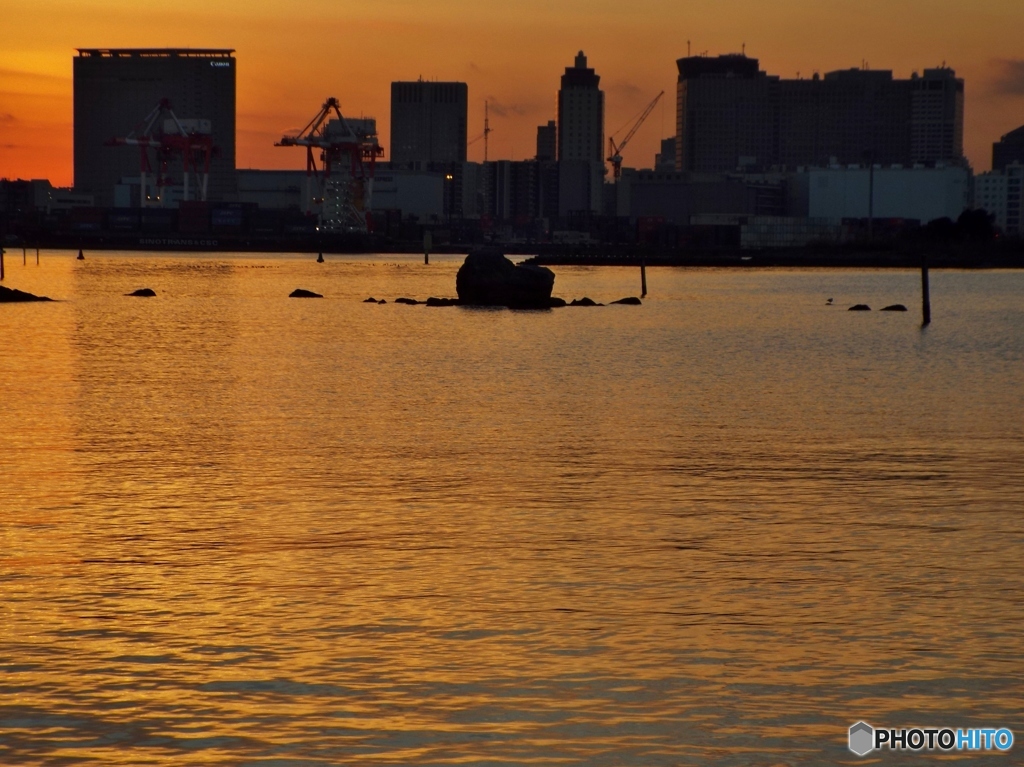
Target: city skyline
x=512, y=58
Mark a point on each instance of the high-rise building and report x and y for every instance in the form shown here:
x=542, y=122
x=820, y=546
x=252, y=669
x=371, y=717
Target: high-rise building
x=428, y=123
x=580, y=114
x=936, y=116
x=1009, y=149
x=730, y=114
x=547, y=142
x=580, y=139
x=114, y=89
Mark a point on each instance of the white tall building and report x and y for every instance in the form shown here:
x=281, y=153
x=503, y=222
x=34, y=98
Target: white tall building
x=999, y=193
x=580, y=139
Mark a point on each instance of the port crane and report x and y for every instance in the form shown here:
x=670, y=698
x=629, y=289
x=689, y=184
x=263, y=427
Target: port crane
x=615, y=150
x=162, y=132
x=348, y=151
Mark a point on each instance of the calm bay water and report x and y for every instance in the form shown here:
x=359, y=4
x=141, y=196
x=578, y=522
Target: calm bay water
x=717, y=529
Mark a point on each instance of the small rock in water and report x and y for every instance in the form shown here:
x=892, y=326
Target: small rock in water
x=382, y=301
x=629, y=301
x=556, y=303
x=432, y=301
x=410, y=301
x=584, y=302
x=370, y=300
x=12, y=296
x=859, y=308
x=142, y=293
x=300, y=293
x=893, y=308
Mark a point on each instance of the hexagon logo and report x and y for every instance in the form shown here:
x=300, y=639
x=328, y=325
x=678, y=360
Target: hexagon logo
x=862, y=737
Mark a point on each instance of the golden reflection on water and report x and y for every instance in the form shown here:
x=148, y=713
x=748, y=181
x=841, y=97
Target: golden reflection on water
x=717, y=529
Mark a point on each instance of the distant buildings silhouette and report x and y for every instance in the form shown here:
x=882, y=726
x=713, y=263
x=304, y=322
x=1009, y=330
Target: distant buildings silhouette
x=765, y=160
x=731, y=115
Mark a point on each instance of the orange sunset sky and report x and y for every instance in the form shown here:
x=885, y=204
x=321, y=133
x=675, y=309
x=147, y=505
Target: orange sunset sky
x=293, y=53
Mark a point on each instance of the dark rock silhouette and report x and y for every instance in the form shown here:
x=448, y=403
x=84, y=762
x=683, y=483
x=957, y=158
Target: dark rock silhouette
x=859, y=308
x=382, y=301
x=300, y=293
x=442, y=301
x=12, y=296
x=487, y=278
x=584, y=302
x=142, y=293
x=893, y=308
x=410, y=301
x=370, y=300
x=629, y=301
x=557, y=303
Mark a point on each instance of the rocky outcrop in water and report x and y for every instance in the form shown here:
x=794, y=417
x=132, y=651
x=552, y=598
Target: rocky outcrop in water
x=12, y=296
x=300, y=293
x=859, y=308
x=487, y=278
x=893, y=308
x=142, y=293
x=585, y=301
x=629, y=301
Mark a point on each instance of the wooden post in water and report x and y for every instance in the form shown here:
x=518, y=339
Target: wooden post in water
x=643, y=278
x=926, y=301
x=428, y=241
x=37, y=255
x=1, y=264
x=24, y=256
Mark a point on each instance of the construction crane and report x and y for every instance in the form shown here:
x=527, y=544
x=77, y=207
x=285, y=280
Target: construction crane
x=348, y=151
x=167, y=137
x=486, y=133
x=615, y=150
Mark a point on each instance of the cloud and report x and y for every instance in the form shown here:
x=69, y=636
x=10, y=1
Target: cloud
x=1009, y=80
x=507, y=110
x=628, y=91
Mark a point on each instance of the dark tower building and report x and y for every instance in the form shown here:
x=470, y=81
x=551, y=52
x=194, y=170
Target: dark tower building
x=114, y=89
x=428, y=123
x=730, y=114
x=547, y=141
x=581, y=114
x=580, y=139
x=937, y=116
x=1009, y=149
x=726, y=113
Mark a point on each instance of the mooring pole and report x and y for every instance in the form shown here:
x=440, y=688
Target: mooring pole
x=1, y=264
x=643, y=278
x=428, y=241
x=24, y=256
x=926, y=301
x=37, y=255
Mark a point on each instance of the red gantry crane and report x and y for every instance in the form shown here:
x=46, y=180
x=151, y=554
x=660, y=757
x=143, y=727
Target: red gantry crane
x=615, y=150
x=191, y=138
x=348, y=151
